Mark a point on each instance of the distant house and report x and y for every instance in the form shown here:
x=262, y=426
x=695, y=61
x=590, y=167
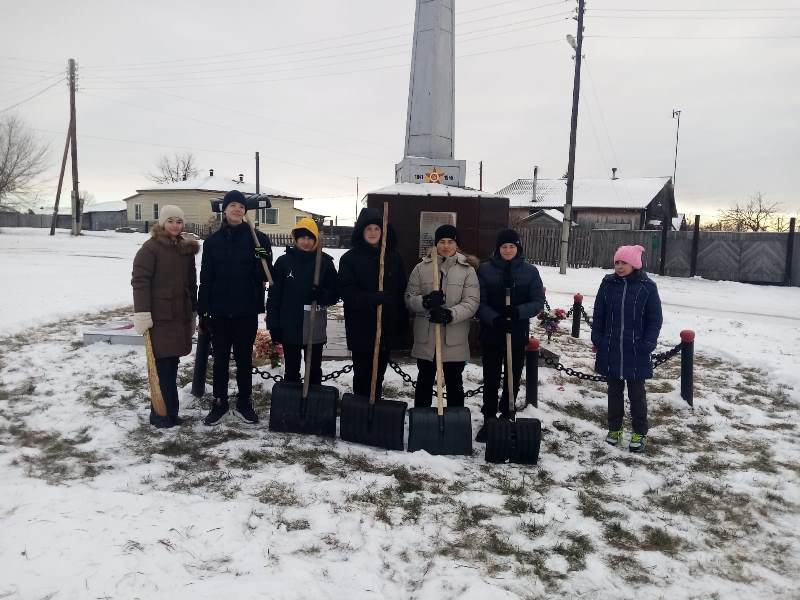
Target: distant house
x=95, y=217
x=194, y=197
x=616, y=203
x=543, y=218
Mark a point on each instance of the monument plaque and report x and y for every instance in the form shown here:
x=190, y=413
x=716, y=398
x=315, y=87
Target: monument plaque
x=429, y=222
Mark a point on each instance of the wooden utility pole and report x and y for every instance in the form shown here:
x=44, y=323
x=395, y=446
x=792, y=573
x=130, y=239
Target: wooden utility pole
x=533, y=183
x=480, y=176
x=573, y=132
x=76, y=202
x=356, y=219
x=258, y=175
x=54, y=221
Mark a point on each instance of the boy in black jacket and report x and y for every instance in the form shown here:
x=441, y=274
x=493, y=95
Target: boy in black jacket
x=358, y=286
x=290, y=298
x=230, y=298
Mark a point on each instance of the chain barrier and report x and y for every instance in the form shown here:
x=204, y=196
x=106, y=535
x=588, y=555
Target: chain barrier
x=586, y=316
x=327, y=377
x=408, y=379
x=657, y=360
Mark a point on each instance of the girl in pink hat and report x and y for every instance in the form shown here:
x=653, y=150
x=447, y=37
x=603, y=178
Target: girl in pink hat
x=627, y=321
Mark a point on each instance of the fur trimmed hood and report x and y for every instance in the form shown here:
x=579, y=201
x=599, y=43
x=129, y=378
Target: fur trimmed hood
x=185, y=245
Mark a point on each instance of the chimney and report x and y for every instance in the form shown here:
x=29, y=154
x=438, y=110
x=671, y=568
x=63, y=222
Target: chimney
x=241, y=178
x=613, y=172
x=211, y=172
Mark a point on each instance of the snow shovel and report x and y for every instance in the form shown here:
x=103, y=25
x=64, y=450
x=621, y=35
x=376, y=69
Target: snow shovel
x=305, y=408
x=439, y=430
x=364, y=420
x=258, y=245
x=201, y=355
x=512, y=440
x=152, y=375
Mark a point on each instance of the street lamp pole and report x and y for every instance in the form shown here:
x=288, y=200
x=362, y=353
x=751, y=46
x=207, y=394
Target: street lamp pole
x=577, y=44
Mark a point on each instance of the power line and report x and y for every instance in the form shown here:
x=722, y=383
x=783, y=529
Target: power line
x=32, y=83
x=204, y=60
x=696, y=10
x=684, y=37
x=234, y=72
x=37, y=94
x=651, y=17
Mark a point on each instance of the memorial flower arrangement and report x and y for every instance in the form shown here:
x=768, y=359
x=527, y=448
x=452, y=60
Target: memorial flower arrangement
x=265, y=351
x=549, y=320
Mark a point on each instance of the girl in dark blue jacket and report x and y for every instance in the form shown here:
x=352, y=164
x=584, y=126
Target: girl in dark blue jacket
x=625, y=327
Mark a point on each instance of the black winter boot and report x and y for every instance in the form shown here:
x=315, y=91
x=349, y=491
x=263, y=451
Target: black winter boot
x=218, y=410
x=244, y=410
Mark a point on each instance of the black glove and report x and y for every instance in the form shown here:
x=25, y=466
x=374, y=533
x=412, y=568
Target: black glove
x=511, y=312
x=441, y=315
x=261, y=252
x=276, y=335
x=314, y=294
x=206, y=325
x=377, y=298
x=433, y=300
x=502, y=324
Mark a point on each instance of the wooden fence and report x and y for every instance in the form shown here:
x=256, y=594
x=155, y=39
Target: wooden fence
x=543, y=246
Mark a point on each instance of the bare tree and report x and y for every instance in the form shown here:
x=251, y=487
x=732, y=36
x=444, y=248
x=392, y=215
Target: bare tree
x=780, y=223
x=23, y=159
x=178, y=168
x=755, y=215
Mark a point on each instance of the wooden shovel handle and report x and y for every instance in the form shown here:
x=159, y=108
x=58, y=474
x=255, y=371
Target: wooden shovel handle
x=509, y=362
x=258, y=245
x=309, y=344
x=152, y=375
x=376, y=351
x=437, y=332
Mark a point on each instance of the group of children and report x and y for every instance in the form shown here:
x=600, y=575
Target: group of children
x=504, y=292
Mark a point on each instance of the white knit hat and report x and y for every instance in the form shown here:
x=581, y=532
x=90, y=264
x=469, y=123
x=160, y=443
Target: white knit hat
x=170, y=210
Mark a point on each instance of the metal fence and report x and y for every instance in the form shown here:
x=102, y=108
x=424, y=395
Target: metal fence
x=754, y=257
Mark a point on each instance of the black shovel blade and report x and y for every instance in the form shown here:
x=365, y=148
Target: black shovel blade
x=316, y=415
x=381, y=424
x=513, y=441
x=201, y=364
x=449, y=434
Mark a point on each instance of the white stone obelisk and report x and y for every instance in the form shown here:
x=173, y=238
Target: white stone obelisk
x=430, y=121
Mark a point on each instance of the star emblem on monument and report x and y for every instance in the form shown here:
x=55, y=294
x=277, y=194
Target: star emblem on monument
x=434, y=176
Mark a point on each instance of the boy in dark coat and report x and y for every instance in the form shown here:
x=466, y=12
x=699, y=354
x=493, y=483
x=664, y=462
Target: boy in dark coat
x=290, y=297
x=626, y=323
x=231, y=297
x=506, y=269
x=358, y=286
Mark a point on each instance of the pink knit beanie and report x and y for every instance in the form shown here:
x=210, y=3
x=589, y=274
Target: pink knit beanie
x=630, y=254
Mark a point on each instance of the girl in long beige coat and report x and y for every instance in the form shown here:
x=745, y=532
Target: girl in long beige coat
x=164, y=285
x=452, y=306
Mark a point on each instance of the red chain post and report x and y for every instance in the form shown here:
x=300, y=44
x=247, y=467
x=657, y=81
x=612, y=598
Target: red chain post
x=687, y=366
x=576, y=315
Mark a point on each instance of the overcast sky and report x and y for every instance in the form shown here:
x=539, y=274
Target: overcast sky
x=319, y=88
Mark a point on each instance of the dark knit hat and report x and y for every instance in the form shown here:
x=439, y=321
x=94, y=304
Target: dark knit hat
x=234, y=196
x=445, y=231
x=508, y=236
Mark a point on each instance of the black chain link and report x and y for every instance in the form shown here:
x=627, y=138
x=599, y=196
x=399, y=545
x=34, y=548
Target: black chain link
x=546, y=304
x=585, y=316
x=408, y=379
x=327, y=377
x=656, y=361
x=662, y=357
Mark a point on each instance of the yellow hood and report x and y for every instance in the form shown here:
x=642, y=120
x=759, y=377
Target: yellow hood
x=308, y=223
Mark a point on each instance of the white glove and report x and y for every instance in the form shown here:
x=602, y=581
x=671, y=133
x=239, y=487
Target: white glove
x=142, y=321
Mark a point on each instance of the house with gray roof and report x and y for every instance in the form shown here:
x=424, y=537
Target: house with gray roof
x=615, y=203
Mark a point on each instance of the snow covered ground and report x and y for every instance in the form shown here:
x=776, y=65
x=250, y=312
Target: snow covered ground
x=96, y=504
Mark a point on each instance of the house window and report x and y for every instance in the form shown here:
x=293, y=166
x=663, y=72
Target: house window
x=155, y=212
x=298, y=218
x=268, y=216
x=137, y=212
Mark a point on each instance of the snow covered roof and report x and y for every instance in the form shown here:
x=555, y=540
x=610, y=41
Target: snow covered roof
x=634, y=193
x=217, y=183
x=432, y=189
x=553, y=213
x=113, y=206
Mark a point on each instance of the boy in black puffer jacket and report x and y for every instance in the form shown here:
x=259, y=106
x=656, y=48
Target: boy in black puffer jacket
x=230, y=298
x=506, y=269
x=290, y=298
x=358, y=286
